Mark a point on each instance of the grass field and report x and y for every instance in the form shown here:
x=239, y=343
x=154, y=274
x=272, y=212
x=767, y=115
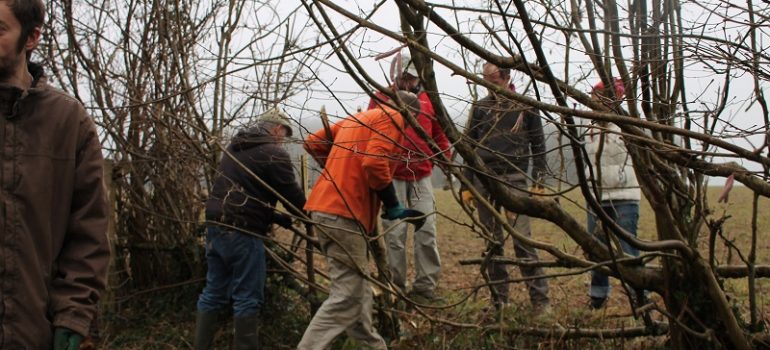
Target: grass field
x=570, y=294
x=166, y=322
x=458, y=242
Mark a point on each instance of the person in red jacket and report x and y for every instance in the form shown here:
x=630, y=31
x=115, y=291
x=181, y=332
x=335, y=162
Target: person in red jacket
x=412, y=181
x=355, y=154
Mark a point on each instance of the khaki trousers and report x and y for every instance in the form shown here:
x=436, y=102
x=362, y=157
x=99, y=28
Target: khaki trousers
x=427, y=263
x=349, y=305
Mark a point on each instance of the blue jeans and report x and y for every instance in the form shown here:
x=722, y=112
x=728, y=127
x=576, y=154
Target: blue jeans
x=626, y=214
x=236, y=270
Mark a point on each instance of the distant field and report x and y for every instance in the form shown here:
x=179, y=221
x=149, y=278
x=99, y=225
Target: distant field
x=457, y=242
x=569, y=294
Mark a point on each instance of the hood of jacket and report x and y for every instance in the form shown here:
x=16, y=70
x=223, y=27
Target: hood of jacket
x=251, y=137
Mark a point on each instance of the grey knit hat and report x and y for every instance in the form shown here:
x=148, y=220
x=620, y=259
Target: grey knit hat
x=277, y=116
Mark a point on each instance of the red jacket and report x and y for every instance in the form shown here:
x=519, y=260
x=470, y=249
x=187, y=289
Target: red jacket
x=356, y=164
x=416, y=159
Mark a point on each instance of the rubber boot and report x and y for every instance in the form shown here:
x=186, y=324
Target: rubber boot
x=246, y=332
x=206, y=326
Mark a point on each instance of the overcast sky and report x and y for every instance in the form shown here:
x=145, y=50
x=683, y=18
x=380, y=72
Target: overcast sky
x=703, y=85
x=252, y=47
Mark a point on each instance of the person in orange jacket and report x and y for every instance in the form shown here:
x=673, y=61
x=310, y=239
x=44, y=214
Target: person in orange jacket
x=356, y=154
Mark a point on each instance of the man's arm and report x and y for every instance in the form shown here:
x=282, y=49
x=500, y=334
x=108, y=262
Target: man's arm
x=281, y=178
x=471, y=135
x=319, y=144
x=82, y=262
x=537, y=145
x=381, y=148
x=441, y=139
x=438, y=135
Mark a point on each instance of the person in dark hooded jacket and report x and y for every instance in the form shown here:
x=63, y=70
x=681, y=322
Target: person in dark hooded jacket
x=254, y=170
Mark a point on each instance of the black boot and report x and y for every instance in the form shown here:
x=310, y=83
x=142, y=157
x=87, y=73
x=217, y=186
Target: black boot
x=598, y=303
x=247, y=332
x=206, y=326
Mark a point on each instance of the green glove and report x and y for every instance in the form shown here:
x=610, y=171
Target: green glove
x=393, y=213
x=66, y=339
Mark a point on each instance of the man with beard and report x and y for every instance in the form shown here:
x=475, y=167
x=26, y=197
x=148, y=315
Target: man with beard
x=53, y=221
x=505, y=135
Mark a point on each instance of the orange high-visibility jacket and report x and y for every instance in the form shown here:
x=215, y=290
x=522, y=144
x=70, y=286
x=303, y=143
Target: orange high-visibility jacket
x=358, y=163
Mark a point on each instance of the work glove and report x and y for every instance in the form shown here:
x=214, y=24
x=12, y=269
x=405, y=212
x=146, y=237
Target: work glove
x=399, y=212
x=415, y=217
x=537, y=190
x=394, y=210
x=66, y=339
x=467, y=198
x=393, y=213
x=283, y=220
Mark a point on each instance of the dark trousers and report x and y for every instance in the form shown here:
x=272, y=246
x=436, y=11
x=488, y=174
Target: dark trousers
x=538, y=288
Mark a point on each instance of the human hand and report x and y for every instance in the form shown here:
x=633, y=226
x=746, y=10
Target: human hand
x=467, y=198
x=537, y=190
x=415, y=217
x=411, y=215
x=393, y=213
x=66, y=339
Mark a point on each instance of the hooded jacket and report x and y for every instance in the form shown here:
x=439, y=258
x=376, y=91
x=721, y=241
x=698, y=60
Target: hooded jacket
x=613, y=163
x=506, y=136
x=416, y=161
x=53, y=215
x=357, y=157
x=238, y=198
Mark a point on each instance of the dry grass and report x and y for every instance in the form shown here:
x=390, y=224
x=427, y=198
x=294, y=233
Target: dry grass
x=168, y=325
x=569, y=294
x=458, y=242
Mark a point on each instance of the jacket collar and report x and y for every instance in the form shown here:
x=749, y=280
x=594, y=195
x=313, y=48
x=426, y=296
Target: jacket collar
x=12, y=98
x=38, y=74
